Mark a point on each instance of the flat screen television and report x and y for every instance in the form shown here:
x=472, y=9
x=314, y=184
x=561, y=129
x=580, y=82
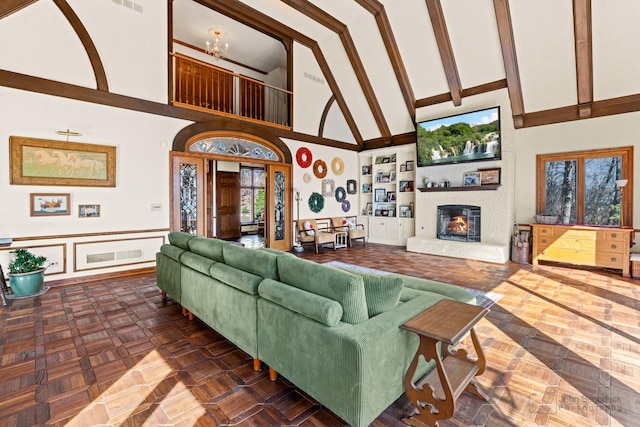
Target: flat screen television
x=467, y=137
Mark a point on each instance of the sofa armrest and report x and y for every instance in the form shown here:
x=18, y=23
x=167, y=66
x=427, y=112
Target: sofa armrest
x=316, y=307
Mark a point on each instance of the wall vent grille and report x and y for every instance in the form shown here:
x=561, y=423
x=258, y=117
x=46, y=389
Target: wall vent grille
x=129, y=5
x=104, y=257
x=135, y=253
x=314, y=78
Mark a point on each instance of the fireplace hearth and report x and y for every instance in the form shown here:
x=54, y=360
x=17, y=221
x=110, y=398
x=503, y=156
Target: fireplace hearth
x=459, y=222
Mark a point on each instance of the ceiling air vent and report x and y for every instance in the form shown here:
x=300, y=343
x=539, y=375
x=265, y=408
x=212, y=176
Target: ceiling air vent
x=129, y=5
x=314, y=78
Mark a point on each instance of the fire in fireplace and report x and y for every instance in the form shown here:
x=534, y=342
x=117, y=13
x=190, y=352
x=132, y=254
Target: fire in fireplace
x=459, y=222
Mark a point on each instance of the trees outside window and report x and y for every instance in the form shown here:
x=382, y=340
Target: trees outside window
x=580, y=187
x=252, y=194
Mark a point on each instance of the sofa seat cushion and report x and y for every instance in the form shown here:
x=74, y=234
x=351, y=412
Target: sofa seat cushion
x=381, y=291
x=316, y=307
x=197, y=262
x=239, y=279
x=329, y=282
x=253, y=261
x=171, y=251
x=180, y=239
x=208, y=247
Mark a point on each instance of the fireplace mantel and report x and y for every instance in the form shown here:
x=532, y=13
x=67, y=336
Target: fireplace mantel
x=488, y=187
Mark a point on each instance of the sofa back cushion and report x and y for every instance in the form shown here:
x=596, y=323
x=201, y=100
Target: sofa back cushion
x=180, y=239
x=208, y=247
x=382, y=291
x=172, y=252
x=197, y=262
x=324, y=310
x=329, y=282
x=260, y=263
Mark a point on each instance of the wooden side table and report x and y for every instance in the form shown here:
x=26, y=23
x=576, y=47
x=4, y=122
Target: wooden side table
x=440, y=327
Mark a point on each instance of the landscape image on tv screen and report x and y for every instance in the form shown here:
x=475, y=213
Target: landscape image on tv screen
x=461, y=138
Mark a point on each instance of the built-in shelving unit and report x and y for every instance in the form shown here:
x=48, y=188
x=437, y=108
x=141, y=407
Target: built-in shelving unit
x=387, y=193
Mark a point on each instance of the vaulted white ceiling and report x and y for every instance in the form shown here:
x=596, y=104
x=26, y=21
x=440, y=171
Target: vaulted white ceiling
x=560, y=59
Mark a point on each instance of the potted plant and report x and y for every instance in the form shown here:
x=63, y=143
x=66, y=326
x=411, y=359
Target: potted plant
x=26, y=272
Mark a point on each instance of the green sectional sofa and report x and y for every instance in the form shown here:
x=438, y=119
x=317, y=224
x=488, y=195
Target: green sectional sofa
x=333, y=333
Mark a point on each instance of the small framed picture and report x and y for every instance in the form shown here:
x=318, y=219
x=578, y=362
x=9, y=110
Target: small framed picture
x=380, y=195
x=391, y=196
x=405, y=211
x=386, y=178
x=369, y=208
x=471, y=179
x=366, y=170
x=409, y=165
x=489, y=176
x=352, y=186
x=393, y=158
x=88, y=211
x=366, y=188
x=392, y=176
x=403, y=167
x=386, y=159
x=378, y=212
x=47, y=204
x=406, y=186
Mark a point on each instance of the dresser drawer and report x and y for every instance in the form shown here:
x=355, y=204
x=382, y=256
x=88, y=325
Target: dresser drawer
x=610, y=246
x=611, y=235
x=571, y=256
x=609, y=260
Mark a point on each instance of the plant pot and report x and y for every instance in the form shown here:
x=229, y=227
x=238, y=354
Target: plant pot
x=24, y=284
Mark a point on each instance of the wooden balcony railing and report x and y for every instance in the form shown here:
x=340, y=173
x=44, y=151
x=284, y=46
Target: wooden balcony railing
x=206, y=87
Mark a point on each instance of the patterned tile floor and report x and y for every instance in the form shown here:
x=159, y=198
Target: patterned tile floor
x=562, y=348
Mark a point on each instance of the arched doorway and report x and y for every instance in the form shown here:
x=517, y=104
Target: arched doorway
x=199, y=197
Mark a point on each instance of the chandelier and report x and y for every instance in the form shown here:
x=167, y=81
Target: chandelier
x=217, y=50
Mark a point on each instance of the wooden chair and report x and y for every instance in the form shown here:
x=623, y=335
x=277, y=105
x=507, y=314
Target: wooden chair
x=356, y=231
x=319, y=235
x=3, y=287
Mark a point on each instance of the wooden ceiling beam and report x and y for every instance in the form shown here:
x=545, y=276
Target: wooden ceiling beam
x=471, y=91
x=584, y=57
x=312, y=11
x=510, y=60
x=261, y=22
x=7, y=7
x=384, y=26
x=446, y=51
x=87, y=42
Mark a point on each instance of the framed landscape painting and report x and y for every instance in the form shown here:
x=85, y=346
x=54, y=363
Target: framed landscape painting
x=48, y=162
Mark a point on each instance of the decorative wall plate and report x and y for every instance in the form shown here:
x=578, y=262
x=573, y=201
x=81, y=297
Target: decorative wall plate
x=352, y=186
x=346, y=206
x=340, y=194
x=337, y=166
x=307, y=177
x=316, y=202
x=304, y=157
x=319, y=168
x=328, y=187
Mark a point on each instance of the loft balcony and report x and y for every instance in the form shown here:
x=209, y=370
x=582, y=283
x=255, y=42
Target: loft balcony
x=205, y=87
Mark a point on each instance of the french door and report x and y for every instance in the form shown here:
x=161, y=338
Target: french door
x=191, y=213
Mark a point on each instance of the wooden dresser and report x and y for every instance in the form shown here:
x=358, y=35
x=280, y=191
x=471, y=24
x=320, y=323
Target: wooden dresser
x=582, y=245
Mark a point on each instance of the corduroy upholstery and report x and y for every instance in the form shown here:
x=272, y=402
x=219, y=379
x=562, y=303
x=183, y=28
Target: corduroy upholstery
x=333, y=333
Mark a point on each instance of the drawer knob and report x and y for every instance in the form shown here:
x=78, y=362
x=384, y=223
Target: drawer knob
x=614, y=246
x=544, y=240
x=613, y=259
x=614, y=235
x=544, y=230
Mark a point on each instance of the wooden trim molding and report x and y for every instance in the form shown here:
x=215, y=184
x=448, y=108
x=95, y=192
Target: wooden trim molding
x=7, y=7
x=314, y=12
x=584, y=58
x=325, y=112
x=402, y=139
x=475, y=90
x=446, y=51
x=509, y=57
x=85, y=39
x=102, y=233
